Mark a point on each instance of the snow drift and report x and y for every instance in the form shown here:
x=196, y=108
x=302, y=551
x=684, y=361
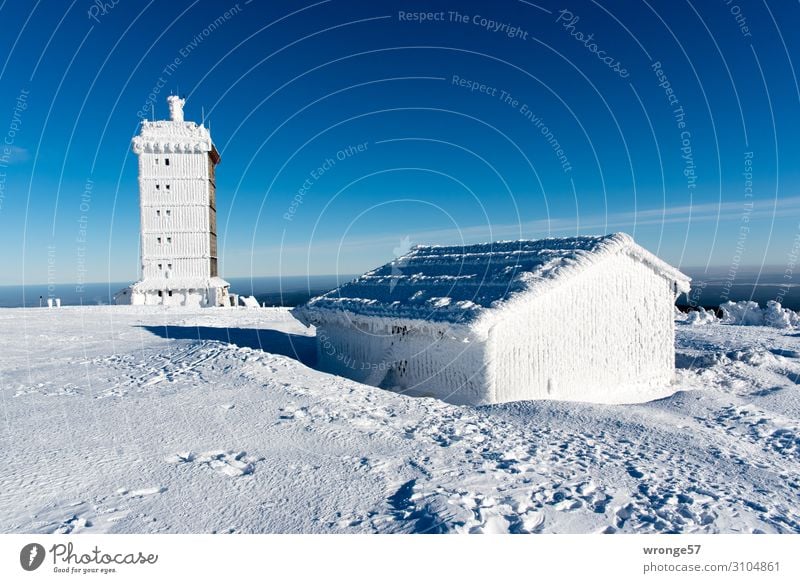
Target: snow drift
x=749, y=313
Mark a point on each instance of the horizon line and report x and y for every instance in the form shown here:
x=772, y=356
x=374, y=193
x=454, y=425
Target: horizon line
x=766, y=268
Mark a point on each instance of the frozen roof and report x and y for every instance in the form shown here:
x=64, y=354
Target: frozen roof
x=174, y=135
x=459, y=283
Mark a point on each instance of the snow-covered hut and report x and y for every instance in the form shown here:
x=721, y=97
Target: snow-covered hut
x=575, y=318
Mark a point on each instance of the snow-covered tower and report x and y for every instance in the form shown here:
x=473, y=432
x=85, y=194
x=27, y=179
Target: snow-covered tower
x=177, y=194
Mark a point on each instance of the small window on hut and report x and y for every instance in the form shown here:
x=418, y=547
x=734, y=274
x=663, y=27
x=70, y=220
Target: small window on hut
x=166, y=161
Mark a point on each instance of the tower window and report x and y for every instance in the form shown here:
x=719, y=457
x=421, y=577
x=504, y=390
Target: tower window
x=166, y=161
x=158, y=212
x=161, y=267
x=169, y=213
x=167, y=186
x=159, y=240
x=160, y=293
x=169, y=240
x=158, y=187
x=169, y=265
x=169, y=293
x=156, y=160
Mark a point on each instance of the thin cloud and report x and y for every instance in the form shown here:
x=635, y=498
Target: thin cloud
x=14, y=155
x=297, y=254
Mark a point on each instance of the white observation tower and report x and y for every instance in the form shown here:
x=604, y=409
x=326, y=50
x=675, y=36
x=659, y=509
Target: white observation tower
x=177, y=197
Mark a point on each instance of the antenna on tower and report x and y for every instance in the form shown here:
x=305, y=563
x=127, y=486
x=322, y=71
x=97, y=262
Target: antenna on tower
x=203, y=114
x=152, y=112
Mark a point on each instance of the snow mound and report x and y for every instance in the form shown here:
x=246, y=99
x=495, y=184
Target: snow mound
x=779, y=317
x=748, y=313
x=700, y=317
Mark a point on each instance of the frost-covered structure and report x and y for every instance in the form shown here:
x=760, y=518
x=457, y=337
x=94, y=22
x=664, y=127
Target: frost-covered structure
x=177, y=194
x=578, y=318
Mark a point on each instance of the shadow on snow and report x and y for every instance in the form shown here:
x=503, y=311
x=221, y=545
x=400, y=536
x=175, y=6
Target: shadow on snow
x=301, y=348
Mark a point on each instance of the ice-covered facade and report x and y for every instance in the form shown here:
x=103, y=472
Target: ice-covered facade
x=576, y=318
x=177, y=195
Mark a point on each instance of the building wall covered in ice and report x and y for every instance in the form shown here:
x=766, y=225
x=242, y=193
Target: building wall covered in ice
x=444, y=362
x=578, y=318
x=177, y=193
x=603, y=336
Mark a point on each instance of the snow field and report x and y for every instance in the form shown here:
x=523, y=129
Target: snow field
x=111, y=426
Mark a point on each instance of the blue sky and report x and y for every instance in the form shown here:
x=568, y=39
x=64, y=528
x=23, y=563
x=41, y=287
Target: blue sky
x=349, y=130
